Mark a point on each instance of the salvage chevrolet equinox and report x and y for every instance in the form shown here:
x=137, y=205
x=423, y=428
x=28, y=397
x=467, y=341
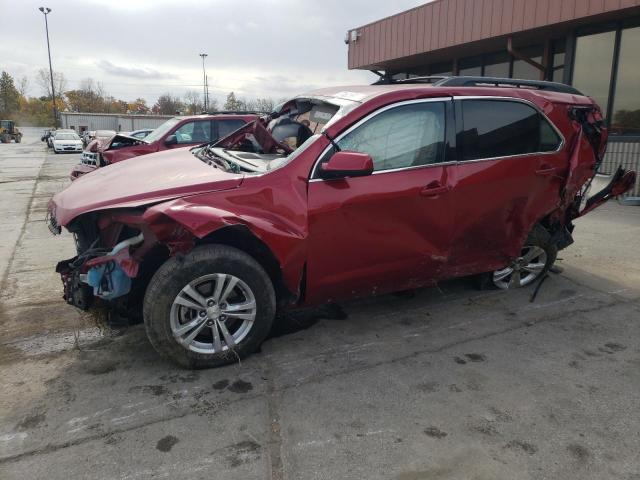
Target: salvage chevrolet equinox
x=341, y=193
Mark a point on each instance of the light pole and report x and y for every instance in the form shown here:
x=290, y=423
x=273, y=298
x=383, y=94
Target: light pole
x=46, y=12
x=204, y=82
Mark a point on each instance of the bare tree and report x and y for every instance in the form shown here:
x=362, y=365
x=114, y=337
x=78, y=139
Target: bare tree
x=23, y=86
x=43, y=79
x=192, y=102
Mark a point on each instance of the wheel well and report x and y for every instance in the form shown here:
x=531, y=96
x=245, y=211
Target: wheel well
x=240, y=237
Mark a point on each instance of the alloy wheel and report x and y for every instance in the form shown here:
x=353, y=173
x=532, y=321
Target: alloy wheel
x=213, y=313
x=522, y=271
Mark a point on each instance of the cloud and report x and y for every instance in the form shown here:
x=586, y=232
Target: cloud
x=134, y=72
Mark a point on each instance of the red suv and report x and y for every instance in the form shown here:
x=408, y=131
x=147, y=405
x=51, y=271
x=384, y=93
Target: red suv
x=174, y=133
x=344, y=192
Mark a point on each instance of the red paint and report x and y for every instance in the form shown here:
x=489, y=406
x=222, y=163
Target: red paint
x=360, y=235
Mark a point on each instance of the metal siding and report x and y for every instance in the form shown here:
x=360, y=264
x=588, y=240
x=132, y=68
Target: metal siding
x=568, y=9
x=445, y=23
x=486, y=18
x=596, y=7
x=496, y=17
x=507, y=16
x=529, y=15
x=542, y=13
x=477, y=19
x=555, y=9
x=460, y=24
x=435, y=30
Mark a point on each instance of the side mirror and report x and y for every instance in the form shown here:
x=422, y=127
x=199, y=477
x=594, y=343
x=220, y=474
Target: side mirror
x=347, y=164
x=171, y=140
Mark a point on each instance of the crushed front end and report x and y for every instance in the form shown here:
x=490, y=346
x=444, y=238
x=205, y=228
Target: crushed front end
x=111, y=247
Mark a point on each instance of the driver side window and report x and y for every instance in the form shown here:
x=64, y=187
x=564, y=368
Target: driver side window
x=405, y=136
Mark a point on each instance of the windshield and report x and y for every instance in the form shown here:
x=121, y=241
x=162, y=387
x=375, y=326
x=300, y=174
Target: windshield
x=67, y=136
x=163, y=129
x=272, y=141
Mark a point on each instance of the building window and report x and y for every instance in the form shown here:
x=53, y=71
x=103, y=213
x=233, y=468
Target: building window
x=626, y=102
x=470, y=67
x=497, y=65
x=445, y=69
x=557, y=72
x=592, y=66
x=525, y=71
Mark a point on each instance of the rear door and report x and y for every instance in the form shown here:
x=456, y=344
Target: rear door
x=390, y=230
x=509, y=176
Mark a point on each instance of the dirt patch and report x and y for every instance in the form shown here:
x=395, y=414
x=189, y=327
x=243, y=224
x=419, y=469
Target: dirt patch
x=221, y=384
x=615, y=347
x=165, y=444
x=243, y=452
x=524, y=446
x=579, y=452
x=240, y=386
x=156, y=390
x=434, y=432
x=31, y=421
x=475, y=357
x=100, y=367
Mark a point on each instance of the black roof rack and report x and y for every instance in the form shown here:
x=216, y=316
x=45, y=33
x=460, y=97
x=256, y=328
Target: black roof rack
x=439, y=81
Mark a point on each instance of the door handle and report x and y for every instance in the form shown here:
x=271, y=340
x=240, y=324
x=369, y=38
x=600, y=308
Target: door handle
x=545, y=170
x=433, y=189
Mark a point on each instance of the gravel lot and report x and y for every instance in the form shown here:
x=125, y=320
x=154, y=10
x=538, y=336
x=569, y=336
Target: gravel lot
x=450, y=383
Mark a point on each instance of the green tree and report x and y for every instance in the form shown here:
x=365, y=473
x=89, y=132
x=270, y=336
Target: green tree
x=9, y=95
x=233, y=103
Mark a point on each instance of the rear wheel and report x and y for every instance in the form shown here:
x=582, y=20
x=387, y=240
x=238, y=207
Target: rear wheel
x=211, y=307
x=536, y=257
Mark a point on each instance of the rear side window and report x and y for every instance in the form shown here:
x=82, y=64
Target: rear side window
x=498, y=128
x=225, y=127
x=404, y=136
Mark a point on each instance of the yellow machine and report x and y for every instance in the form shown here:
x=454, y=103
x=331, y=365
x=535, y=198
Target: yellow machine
x=8, y=132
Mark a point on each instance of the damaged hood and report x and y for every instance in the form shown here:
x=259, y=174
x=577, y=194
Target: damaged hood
x=150, y=179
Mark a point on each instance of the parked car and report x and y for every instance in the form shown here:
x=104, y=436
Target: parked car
x=174, y=133
x=45, y=135
x=67, y=142
x=51, y=137
x=343, y=192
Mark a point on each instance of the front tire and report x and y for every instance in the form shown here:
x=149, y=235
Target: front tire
x=210, y=307
x=537, y=256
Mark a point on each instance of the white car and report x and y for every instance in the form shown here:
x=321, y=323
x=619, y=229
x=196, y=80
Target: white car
x=67, y=142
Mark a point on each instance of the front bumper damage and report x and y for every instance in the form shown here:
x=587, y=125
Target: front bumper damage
x=106, y=277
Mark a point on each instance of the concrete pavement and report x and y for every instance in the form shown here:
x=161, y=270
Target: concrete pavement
x=451, y=383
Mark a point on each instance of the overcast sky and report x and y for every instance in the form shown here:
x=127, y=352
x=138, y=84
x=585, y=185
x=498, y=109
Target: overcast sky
x=274, y=48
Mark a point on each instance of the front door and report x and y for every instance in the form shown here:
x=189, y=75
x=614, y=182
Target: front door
x=391, y=230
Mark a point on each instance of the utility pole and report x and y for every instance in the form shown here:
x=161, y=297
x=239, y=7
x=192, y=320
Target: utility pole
x=204, y=82
x=46, y=11
x=207, y=91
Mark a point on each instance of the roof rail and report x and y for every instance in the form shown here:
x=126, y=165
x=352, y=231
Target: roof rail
x=484, y=82
x=232, y=112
